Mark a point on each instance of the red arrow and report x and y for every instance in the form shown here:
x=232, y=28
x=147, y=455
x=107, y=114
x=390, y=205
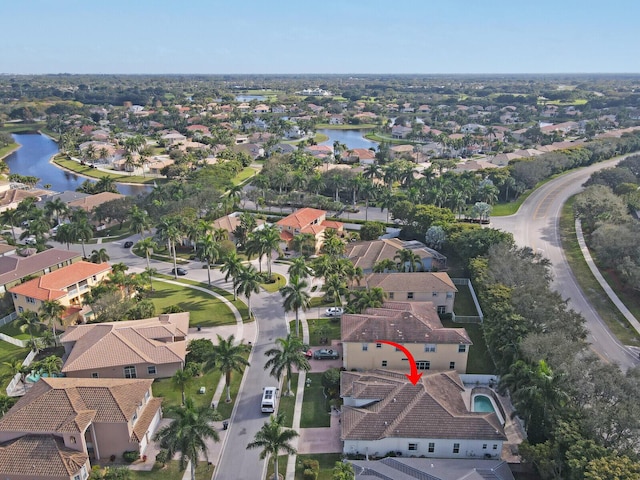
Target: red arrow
x=414, y=376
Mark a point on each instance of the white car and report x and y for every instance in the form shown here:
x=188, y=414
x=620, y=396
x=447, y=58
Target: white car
x=334, y=311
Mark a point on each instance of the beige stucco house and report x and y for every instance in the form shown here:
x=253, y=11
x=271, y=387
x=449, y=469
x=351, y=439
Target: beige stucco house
x=307, y=220
x=150, y=348
x=416, y=326
x=383, y=412
x=61, y=424
x=366, y=254
x=434, y=287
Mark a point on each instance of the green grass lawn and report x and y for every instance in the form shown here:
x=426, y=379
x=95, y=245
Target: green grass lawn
x=225, y=408
x=22, y=127
x=598, y=298
x=87, y=171
x=244, y=175
x=4, y=151
x=319, y=302
x=13, y=330
x=315, y=407
x=320, y=327
x=9, y=353
x=164, y=388
x=171, y=471
x=275, y=286
x=479, y=360
x=287, y=403
x=326, y=460
x=205, y=310
x=282, y=466
x=463, y=304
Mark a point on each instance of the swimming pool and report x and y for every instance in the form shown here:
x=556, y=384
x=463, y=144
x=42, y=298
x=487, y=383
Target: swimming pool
x=483, y=403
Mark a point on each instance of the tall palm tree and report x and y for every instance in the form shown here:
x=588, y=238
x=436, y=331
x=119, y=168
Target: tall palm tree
x=182, y=379
x=273, y=438
x=12, y=218
x=29, y=322
x=81, y=230
x=56, y=208
x=335, y=286
x=140, y=221
x=99, y=256
x=52, y=365
x=227, y=356
x=408, y=260
x=231, y=267
x=51, y=312
x=188, y=433
x=145, y=247
x=288, y=353
x=209, y=251
x=270, y=241
x=299, y=269
x=360, y=300
x=296, y=297
x=169, y=230
x=248, y=283
x=64, y=234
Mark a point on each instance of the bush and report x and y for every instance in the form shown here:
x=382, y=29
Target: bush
x=131, y=455
x=162, y=456
x=310, y=464
x=309, y=474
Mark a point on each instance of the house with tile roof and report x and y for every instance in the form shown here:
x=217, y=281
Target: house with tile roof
x=62, y=424
x=150, y=348
x=364, y=156
x=68, y=285
x=231, y=222
x=434, y=287
x=307, y=220
x=90, y=202
x=383, y=412
x=366, y=254
x=415, y=325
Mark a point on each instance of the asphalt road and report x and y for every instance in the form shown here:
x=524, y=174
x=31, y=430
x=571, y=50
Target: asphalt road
x=536, y=225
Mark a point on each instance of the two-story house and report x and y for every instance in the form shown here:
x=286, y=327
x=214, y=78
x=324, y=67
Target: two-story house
x=62, y=424
x=150, y=348
x=307, y=220
x=414, y=325
x=383, y=412
x=366, y=254
x=68, y=285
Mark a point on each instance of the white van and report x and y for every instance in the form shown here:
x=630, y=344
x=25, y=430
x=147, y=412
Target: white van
x=269, y=399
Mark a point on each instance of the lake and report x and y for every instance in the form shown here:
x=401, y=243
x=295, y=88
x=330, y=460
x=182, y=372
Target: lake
x=248, y=98
x=351, y=138
x=33, y=159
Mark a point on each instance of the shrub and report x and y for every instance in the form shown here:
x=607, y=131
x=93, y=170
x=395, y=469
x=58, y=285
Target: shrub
x=162, y=456
x=311, y=464
x=131, y=455
x=309, y=474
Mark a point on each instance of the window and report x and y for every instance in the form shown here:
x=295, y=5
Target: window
x=95, y=278
x=449, y=294
x=456, y=448
x=31, y=300
x=434, y=294
x=130, y=372
x=409, y=295
x=442, y=309
x=495, y=446
x=413, y=447
x=76, y=477
x=423, y=365
x=135, y=417
x=20, y=309
x=390, y=295
x=384, y=363
x=365, y=347
x=15, y=295
x=151, y=369
x=462, y=348
x=94, y=375
x=452, y=365
x=72, y=439
x=83, y=472
x=484, y=446
x=430, y=347
x=432, y=447
x=378, y=345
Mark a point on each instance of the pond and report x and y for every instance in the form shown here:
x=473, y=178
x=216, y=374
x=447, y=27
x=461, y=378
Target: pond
x=32, y=159
x=351, y=138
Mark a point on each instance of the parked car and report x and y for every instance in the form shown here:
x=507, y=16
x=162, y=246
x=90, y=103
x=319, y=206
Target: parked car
x=128, y=244
x=334, y=311
x=326, y=354
x=308, y=353
x=179, y=271
x=30, y=240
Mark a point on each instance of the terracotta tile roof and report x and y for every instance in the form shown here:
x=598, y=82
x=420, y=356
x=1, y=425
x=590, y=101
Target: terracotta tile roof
x=286, y=236
x=39, y=456
x=367, y=253
x=433, y=408
x=52, y=285
x=301, y=218
x=14, y=267
x=402, y=322
x=92, y=201
x=144, y=420
x=313, y=229
x=68, y=405
x=333, y=224
x=411, y=282
x=132, y=342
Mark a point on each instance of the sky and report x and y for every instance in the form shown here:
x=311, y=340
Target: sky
x=330, y=36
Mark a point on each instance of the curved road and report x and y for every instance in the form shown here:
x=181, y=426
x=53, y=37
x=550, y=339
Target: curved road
x=536, y=225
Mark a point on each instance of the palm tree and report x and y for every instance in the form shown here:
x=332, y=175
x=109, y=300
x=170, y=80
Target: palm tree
x=385, y=265
x=64, y=234
x=51, y=312
x=299, y=269
x=188, y=432
x=408, y=260
x=169, y=230
x=182, y=379
x=273, y=438
x=270, y=240
x=99, y=256
x=80, y=229
x=146, y=247
x=227, y=356
x=29, y=322
x=288, y=353
x=56, y=208
x=52, y=364
x=362, y=299
x=335, y=286
x=296, y=297
x=231, y=267
x=140, y=221
x=209, y=251
x=12, y=218
x=248, y=283
x=304, y=243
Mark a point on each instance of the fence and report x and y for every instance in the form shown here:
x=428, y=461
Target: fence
x=16, y=378
x=468, y=318
x=13, y=341
x=9, y=318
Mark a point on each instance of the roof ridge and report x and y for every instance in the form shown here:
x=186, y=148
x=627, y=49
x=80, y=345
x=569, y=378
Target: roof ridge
x=410, y=405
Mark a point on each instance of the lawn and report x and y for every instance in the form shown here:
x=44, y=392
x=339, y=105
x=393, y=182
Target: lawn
x=13, y=330
x=479, y=360
x=464, y=302
x=163, y=387
x=589, y=285
x=287, y=403
x=320, y=328
x=282, y=466
x=20, y=127
x=280, y=282
x=205, y=310
x=315, y=407
x=9, y=353
x=318, y=302
x=244, y=175
x=326, y=460
x=223, y=407
x=171, y=471
x=4, y=151
x=87, y=171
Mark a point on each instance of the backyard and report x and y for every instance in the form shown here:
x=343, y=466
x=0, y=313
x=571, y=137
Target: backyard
x=9, y=353
x=315, y=406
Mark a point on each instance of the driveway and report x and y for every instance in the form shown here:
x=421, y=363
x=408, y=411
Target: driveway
x=321, y=440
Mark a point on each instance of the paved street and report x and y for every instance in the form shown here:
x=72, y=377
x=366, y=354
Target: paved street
x=536, y=226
